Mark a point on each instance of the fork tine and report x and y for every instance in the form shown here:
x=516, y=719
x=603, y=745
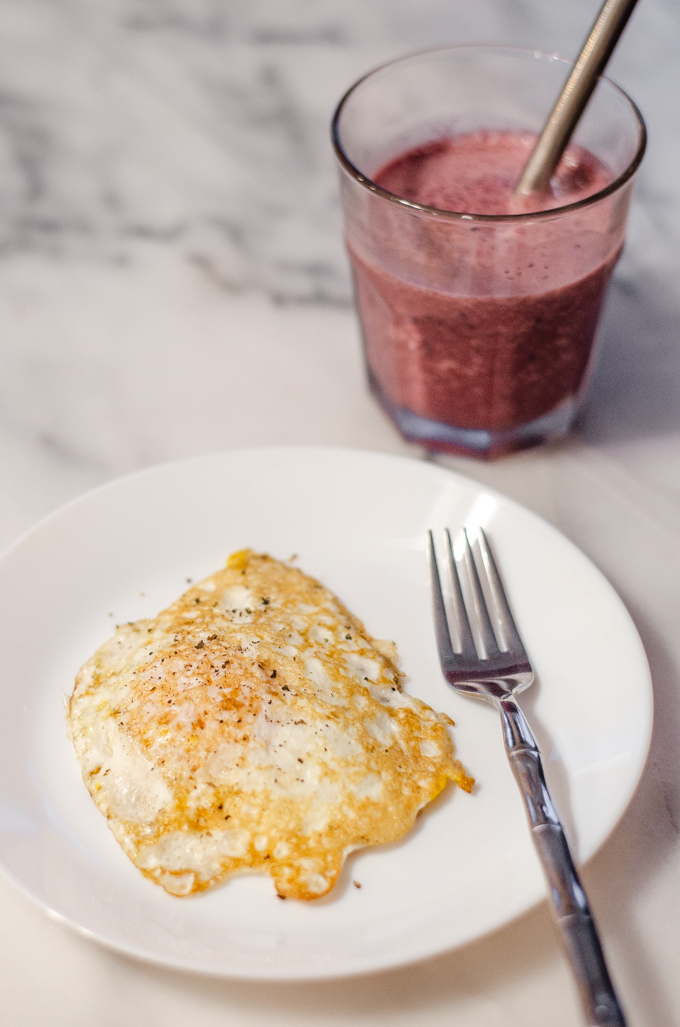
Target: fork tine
x=467, y=642
x=508, y=628
x=441, y=624
x=479, y=602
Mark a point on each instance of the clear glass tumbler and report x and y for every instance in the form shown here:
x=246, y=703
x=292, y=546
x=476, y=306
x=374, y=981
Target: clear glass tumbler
x=479, y=329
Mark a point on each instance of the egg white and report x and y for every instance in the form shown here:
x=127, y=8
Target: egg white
x=254, y=726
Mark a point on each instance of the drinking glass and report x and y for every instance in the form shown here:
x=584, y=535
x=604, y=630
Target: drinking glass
x=478, y=329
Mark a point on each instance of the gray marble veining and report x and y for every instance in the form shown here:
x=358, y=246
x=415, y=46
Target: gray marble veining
x=203, y=125
x=173, y=280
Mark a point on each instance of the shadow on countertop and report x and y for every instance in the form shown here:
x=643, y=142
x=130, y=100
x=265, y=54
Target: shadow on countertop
x=635, y=389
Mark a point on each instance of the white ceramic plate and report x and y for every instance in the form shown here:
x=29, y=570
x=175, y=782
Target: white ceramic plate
x=358, y=522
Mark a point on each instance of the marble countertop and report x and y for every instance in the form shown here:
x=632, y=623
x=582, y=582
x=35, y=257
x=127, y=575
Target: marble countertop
x=170, y=230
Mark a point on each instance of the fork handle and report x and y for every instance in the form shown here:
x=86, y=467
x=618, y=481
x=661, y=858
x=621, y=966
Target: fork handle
x=570, y=908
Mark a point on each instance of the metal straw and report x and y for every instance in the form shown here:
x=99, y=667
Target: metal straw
x=577, y=90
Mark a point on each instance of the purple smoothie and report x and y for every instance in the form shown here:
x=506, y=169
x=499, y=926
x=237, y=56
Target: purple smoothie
x=493, y=325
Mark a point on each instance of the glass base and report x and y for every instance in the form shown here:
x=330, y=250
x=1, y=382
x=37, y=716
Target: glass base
x=477, y=442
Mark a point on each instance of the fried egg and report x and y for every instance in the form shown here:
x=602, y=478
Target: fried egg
x=254, y=726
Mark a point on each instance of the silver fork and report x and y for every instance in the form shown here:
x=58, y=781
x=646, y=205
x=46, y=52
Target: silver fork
x=497, y=673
